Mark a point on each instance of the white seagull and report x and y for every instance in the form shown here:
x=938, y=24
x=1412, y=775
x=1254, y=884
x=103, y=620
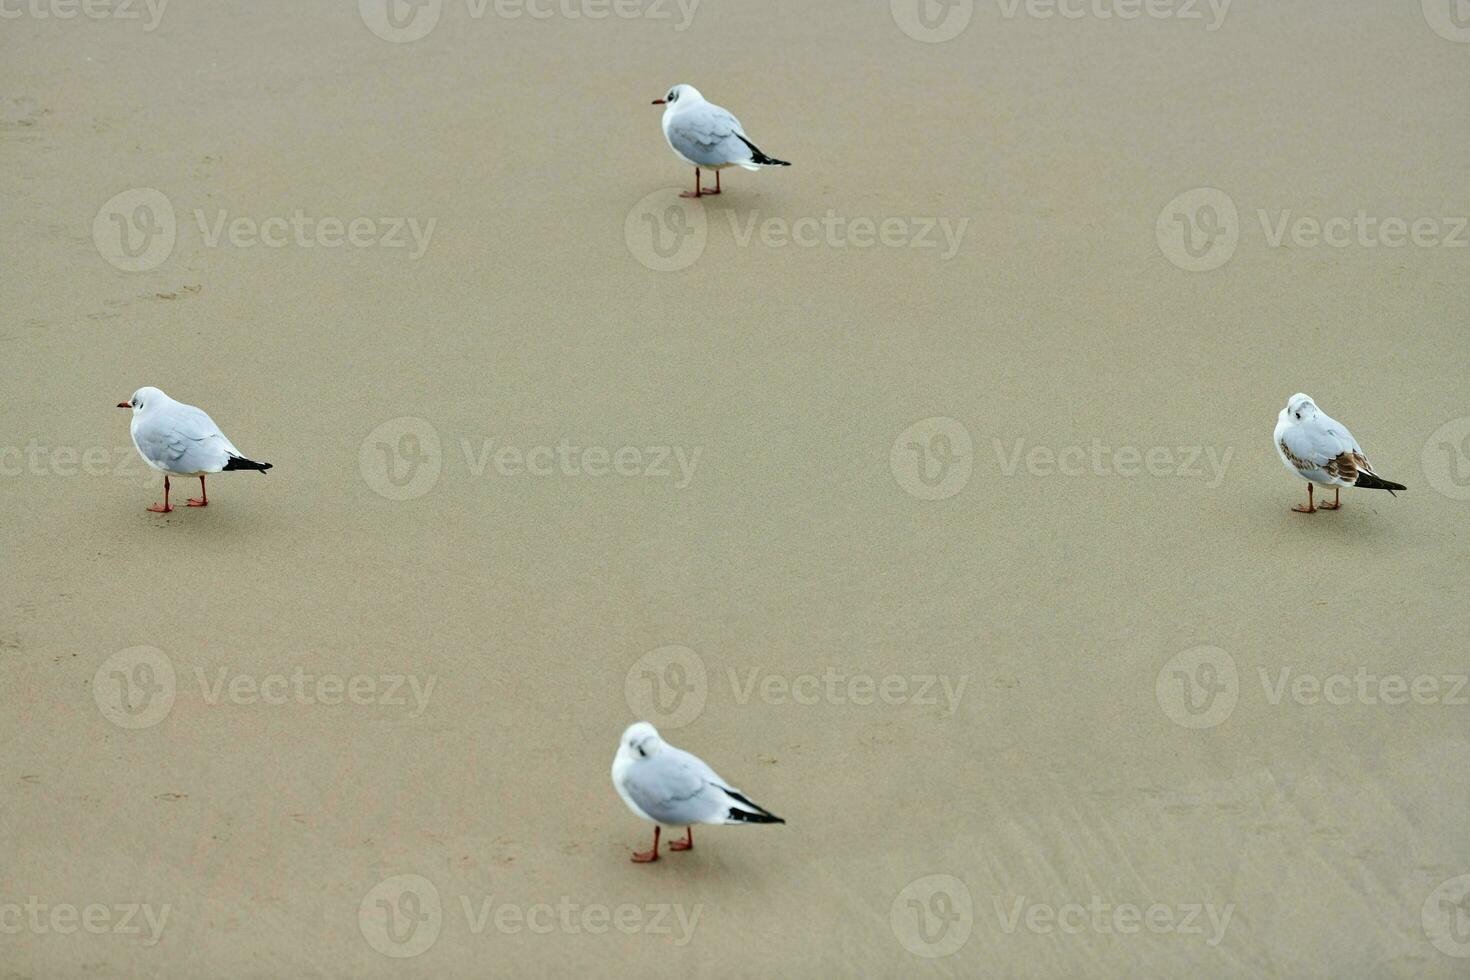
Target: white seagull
x=703, y=134
x=181, y=440
x=1321, y=450
x=669, y=786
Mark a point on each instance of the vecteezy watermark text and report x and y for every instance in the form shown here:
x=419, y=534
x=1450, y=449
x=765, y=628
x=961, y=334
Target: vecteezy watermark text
x=402, y=916
x=63, y=918
x=126, y=10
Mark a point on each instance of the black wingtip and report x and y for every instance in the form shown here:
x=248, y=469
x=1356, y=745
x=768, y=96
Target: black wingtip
x=1369, y=481
x=241, y=463
x=757, y=157
x=743, y=816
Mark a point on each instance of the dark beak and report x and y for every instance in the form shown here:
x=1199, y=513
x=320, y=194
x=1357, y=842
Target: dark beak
x=124, y=405
x=658, y=102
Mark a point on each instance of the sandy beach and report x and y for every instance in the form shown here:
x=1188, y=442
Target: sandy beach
x=925, y=488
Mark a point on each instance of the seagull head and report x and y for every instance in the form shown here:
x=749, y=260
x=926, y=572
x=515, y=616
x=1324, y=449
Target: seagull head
x=640, y=741
x=142, y=398
x=678, y=96
x=1300, y=407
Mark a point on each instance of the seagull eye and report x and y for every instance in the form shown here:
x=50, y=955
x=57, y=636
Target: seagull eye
x=1298, y=414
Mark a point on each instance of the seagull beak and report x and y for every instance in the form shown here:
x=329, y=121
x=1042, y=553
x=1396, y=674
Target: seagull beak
x=658, y=102
x=124, y=405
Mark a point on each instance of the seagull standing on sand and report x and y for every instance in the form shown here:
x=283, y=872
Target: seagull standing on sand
x=1320, y=450
x=669, y=786
x=181, y=440
x=703, y=134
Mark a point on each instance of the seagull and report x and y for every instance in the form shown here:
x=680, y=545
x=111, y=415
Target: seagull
x=181, y=440
x=670, y=786
x=705, y=135
x=1320, y=450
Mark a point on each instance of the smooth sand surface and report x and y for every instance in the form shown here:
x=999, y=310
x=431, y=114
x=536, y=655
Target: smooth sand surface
x=1064, y=610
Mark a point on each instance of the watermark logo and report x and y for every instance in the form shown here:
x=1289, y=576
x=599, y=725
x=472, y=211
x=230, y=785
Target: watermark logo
x=667, y=686
x=1198, y=688
x=1125, y=10
x=135, y=230
x=1450, y=19
x=666, y=232
x=401, y=916
x=40, y=918
x=933, y=916
x=135, y=688
x=932, y=21
x=1198, y=230
x=1364, y=688
x=933, y=458
x=90, y=9
x=1446, y=917
x=1104, y=917
x=838, y=231
x=401, y=459
x=1102, y=460
x=837, y=688
x=1446, y=459
x=400, y=21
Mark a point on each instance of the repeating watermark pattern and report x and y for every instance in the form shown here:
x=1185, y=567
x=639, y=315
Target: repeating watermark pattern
x=1198, y=688
x=402, y=459
x=39, y=459
x=136, y=230
x=1102, y=916
x=1446, y=917
x=1446, y=459
x=1450, y=19
x=933, y=458
x=137, y=687
x=141, y=921
x=667, y=686
x=405, y=21
x=303, y=230
x=933, y=916
x=666, y=232
x=1200, y=230
x=1102, y=460
x=149, y=11
x=837, y=688
x=670, y=686
x=1363, y=687
x=1209, y=13
x=403, y=916
x=836, y=231
x=935, y=21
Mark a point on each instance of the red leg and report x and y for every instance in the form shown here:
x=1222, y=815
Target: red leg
x=203, y=500
x=717, y=184
x=686, y=844
x=697, y=191
x=165, y=509
x=1336, y=500
x=1309, y=509
x=643, y=857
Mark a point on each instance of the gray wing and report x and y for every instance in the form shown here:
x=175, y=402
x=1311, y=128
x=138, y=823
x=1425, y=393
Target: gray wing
x=184, y=440
x=674, y=791
x=1324, y=451
x=710, y=136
